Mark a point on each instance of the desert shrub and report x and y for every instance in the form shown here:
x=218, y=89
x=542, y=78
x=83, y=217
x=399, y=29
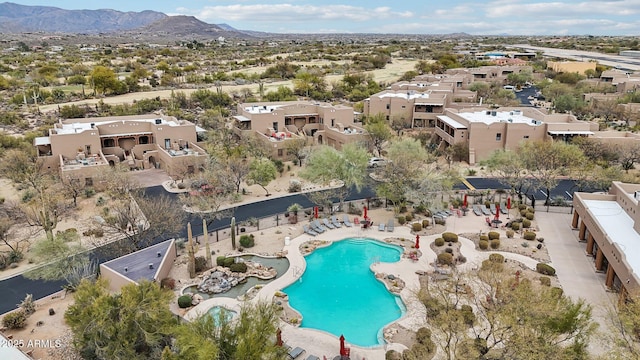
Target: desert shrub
x=497, y=258
x=531, y=210
x=484, y=238
x=423, y=334
x=449, y=237
x=228, y=261
x=168, y=283
x=524, y=244
x=515, y=226
x=401, y=220
x=184, y=301
x=28, y=305
x=522, y=207
x=408, y=217
x=15, y=320
x=510, y=234
x=425, y=223
x=3, y=260
x=392, y=355
x=557, y=292
x=97, y=232
x=494, y=244
x=494, y=235
x=440, y=221
x=247, y=241
x=467, y=314
x=545, y=269
x=416, y=227
x=439, y=241
x=529, y=216
x=526, y=223
x=488, y=265
x=238, y=267
x=448, y=250
x=545, y=280
x=529, y=235
x=220, y=260
x=295, y=186
x=201, y=263
x=483, y=244
x=523, y=213
x=445, y=259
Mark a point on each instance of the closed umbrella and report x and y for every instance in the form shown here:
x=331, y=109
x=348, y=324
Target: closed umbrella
x=364, y=213
x=417, y=241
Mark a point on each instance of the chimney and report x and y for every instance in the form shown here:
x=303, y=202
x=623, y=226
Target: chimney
x=150, y=265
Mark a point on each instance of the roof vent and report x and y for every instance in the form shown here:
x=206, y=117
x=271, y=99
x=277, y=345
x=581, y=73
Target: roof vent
x=150, y=265
x=494, y=113
x=159, y=254
x=158, y=121
x=126, y=269
x=488, y=112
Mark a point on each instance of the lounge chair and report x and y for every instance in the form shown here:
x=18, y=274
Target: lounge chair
x=503, y=209
x=476, y=210
x=356, y=221
x=315, y=227
x=381, y=226
x=345, y=220
x=309, y=231
x=390, y=225
x=492, y=207
x=326, y=223
x=312, y=357
x=484, y=210
x=295, y=352
x=318, y=225
x=335, y=221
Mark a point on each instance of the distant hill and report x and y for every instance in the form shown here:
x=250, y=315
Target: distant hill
x=16, y=18
x=184, y=25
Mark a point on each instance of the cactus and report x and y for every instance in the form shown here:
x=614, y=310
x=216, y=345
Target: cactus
x=205, y=233
x=191, y=265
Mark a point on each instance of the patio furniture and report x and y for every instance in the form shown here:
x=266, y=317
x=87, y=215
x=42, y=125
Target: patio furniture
x=390, y=227
x=492, y=207
x=314, y=226
x=295, y=352
x=326, y=223
x=318, y=225
x=312, y=357
x=476, y=210
x=345, y=220
x=309, y=231
x=381, y=227
x=503, y=209
x=335, y=221
x=484, y=210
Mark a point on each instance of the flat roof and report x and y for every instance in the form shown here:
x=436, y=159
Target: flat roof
x=571, y=132
x=135, y=266
x=241, y=118
x=618, y=226
x=79, y=127
x=449, y=121
x=43, y=140
x=491, y=116
x=261, y=109
x=409, y=95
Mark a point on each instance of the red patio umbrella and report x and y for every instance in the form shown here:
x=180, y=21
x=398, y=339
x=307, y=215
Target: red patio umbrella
x=497, y=212
x=343, y=349
x=315, y=212
x=279, y=337
x=508, y=206
x=464, y=201
x=364, y=213
x=417, y=241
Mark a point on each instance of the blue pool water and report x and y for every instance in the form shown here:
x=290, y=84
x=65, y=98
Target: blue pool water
x=338, y=293
x=219, y=313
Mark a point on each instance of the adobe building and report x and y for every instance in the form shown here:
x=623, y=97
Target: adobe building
x=276, y=123
x=81, y=148
x=152, y=263
x=571, y=66
x=488, y=130
x=609, y=224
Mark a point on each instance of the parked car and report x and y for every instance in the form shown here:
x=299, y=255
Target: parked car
x=376, y=162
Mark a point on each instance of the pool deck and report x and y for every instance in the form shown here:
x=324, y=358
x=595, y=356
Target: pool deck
x=320, y=343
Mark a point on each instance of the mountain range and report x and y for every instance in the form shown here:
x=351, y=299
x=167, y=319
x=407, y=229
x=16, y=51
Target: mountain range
x=15, y=18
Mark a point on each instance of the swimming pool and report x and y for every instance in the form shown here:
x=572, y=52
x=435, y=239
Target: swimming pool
x=338, y=293
x=220, y=313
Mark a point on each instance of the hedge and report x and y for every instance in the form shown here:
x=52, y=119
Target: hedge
x=247, y=241
x=545, y=269
x=449, y=237
x=445, y=259
x=494, y=235
x=184, y=301
x=229, y=261
x=439, y=242
x=220, y=260
x=238, y=267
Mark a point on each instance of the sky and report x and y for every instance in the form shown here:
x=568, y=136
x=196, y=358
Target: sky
x=499, y=17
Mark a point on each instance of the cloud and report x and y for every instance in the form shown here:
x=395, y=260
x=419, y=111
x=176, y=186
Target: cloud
x=291, y=12
x=502, y=9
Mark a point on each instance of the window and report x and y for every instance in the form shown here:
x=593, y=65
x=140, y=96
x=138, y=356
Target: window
x=275, y=126
x=280, y=152
x=526, y=136
x=498, y=136
x=388, y=106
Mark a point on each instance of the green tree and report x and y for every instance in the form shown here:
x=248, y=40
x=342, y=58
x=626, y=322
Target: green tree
x=133, y=324
x=61, y=255
x=378, y=131
x=508, y=168
x=103, y=79
x=298, y=149
x=262, y=171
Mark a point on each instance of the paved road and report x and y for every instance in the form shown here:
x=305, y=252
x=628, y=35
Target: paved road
x=14, y=289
